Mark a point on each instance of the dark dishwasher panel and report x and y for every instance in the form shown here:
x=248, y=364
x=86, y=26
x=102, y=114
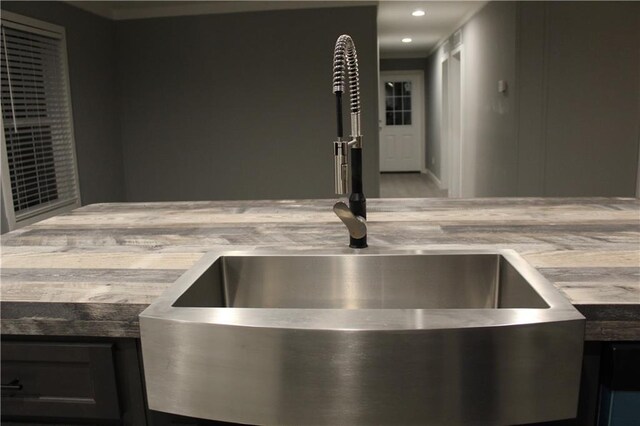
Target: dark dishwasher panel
x=74, y=381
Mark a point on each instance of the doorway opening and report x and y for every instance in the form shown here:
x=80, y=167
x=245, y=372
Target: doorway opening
x=402, y=140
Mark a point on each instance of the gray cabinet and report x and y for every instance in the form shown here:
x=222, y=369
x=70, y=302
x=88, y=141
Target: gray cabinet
x=71, y=381
x=59, y=380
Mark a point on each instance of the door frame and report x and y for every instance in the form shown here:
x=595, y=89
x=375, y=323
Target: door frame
x=381, y=109
x=447, y=155
x=444, y=123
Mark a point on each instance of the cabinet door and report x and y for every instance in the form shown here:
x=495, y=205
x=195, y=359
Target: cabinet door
x=620, y=391
x=58, y=380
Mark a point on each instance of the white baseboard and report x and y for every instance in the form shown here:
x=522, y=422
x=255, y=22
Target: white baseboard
x=434, y=178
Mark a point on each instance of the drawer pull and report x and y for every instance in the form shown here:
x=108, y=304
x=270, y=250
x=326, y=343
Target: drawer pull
x=12, y=385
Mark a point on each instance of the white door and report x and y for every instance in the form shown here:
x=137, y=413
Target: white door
x=401, y=121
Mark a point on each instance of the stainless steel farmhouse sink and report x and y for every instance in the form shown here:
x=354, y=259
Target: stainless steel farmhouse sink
x=363, y=337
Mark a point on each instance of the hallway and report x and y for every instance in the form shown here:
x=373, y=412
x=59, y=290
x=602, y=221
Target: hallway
x=409, y=185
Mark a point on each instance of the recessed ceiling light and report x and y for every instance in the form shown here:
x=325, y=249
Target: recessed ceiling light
x=407, y=40
x=418, y=12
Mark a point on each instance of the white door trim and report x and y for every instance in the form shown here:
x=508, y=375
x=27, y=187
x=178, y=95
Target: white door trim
x=420, y=76
x=444, y=120
x=458, y=149
x=448, y=164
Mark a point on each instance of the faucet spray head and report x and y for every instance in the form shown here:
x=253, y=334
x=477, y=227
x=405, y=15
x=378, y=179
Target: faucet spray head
x=341, y=164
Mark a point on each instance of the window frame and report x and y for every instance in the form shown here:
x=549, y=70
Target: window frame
x=24, y=23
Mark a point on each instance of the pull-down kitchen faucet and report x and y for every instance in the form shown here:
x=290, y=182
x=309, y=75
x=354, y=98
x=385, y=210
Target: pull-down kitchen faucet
x=348, y=152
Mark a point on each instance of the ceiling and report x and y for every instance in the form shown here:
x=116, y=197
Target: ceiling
x=122, y=10
x=441, y=18
x=394, y=17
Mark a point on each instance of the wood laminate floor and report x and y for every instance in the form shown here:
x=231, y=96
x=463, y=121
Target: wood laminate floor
x=409, y=185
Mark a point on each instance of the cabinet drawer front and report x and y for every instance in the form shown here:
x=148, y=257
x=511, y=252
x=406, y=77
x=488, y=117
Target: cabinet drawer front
x=59, y=380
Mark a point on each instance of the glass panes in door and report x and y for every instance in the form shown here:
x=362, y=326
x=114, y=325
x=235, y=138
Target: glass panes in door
x=397, y=103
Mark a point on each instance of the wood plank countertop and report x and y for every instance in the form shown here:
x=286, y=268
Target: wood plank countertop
x=92, y=271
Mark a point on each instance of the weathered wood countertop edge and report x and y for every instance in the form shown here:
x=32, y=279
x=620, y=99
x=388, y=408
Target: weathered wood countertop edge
x=588, y=247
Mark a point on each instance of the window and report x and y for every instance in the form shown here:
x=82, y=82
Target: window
x=39, y=176
x=398, y=103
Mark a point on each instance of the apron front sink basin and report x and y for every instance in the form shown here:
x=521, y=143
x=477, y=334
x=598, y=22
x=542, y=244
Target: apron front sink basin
x=363, y=337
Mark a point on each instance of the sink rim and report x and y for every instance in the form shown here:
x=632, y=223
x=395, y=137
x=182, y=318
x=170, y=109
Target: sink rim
x=560, y=309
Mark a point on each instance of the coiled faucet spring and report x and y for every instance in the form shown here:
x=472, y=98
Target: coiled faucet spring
x=346, y=57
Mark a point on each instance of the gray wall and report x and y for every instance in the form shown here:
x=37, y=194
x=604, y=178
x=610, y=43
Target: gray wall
x=489, y=155
x=235, y=106
x=569, y=123
x=404, y=64
x=489, y=150
x=579, y=65
x=239, y=106
x=92, y=56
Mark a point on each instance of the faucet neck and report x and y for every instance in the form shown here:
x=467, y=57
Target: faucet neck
x=348, y=153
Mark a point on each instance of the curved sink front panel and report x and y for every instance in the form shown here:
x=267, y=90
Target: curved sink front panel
x=396, y=337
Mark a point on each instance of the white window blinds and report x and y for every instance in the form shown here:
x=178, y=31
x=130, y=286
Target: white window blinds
x=37, y=123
